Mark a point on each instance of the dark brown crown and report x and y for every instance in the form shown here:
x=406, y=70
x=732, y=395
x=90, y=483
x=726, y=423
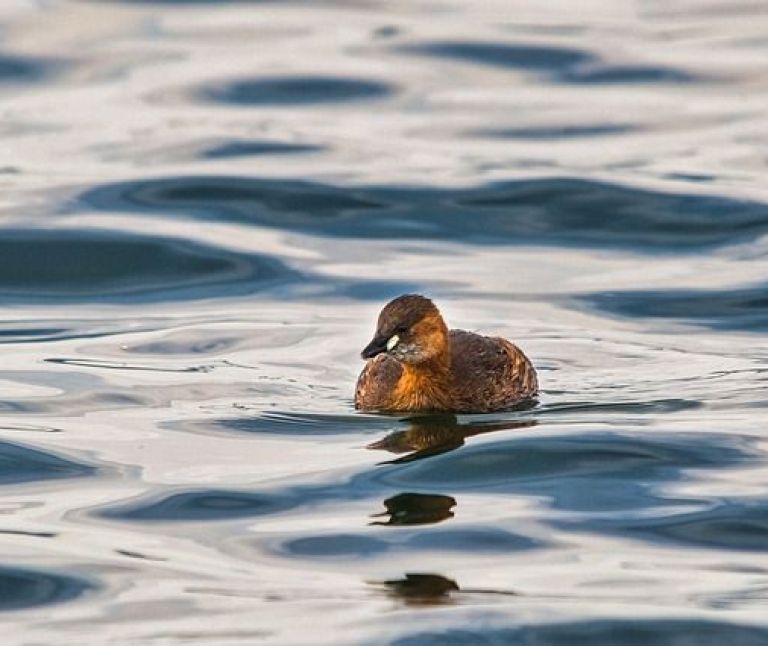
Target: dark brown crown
x=404, y=312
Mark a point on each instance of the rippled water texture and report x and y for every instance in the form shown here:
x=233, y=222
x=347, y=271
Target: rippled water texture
x=205, y=203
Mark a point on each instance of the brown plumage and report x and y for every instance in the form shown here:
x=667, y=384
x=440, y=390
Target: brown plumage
x=416, y=364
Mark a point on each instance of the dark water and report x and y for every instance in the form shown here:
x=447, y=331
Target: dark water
x=206, y=203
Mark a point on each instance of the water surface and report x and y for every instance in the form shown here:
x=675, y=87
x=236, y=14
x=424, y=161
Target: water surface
x=205, y=204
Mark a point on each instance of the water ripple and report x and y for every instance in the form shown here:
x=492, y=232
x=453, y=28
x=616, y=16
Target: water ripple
x=731, y=525
x=22, y=588
x=286, y=424
x=541, y=58
x=293, y=90
x=515, y=465
x=109, y=265
x=476, y=539
x=199, y=506
x=570, y=471
x=246, y=148
x=546, y=133
x=25, y=69
x=605, y=74
x=280, y=203
x=615, y=632
x=553, y=211
x=20, y=464
x=736, y=308
x=562, y=64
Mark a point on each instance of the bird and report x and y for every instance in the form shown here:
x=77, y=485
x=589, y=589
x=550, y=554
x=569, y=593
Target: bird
x=414, y=363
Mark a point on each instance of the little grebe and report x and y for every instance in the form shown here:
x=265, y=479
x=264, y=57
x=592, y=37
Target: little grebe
x=416, y=364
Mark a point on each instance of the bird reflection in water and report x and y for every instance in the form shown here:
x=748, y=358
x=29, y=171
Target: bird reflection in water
x=431, y=590
x=428, y=436
x=416, y=509
x=421, y=589
x=436, y=434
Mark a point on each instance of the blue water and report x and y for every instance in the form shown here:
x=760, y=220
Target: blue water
x=205, y=205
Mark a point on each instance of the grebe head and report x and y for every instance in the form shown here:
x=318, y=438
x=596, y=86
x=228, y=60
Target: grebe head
x=410, y=329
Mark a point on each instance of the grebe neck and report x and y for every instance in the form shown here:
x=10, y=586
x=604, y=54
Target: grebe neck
x=426, y=385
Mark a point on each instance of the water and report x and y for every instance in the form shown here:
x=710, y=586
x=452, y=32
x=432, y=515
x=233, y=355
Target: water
x=205, y=204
